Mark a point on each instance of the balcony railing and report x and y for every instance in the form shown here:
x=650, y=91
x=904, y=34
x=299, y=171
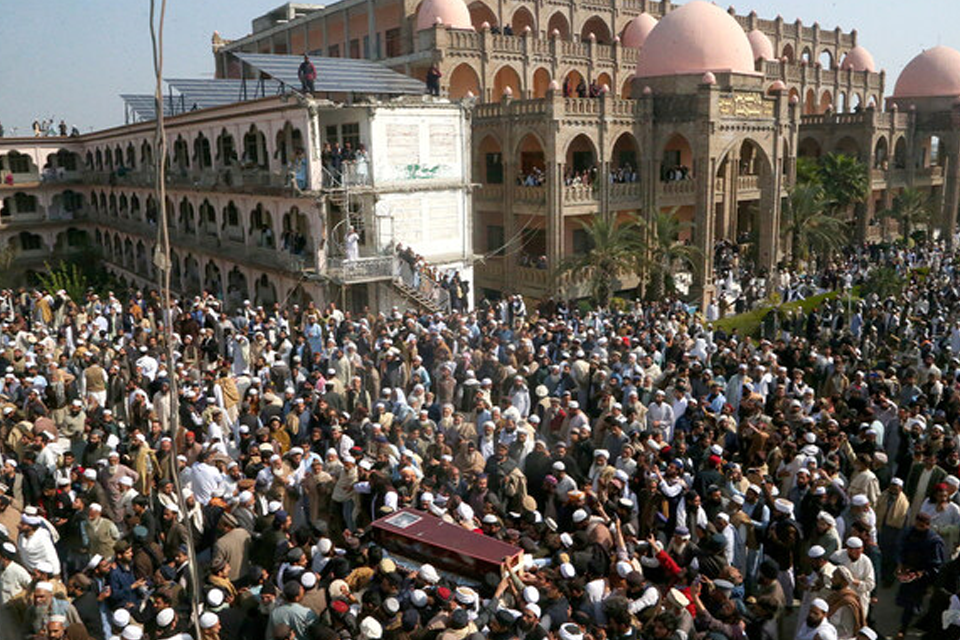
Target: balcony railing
x=490, y=192
x=580, y=193
x=625, y=191
x=678, y=187
x=363, y=269
x=530, y=194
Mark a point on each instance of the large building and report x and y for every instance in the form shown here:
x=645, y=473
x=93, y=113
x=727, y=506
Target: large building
x=569, y=110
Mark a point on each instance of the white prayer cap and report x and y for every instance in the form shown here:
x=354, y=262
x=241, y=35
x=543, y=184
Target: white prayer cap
x=868, y=633
x=370, y=629
x=45, y=567
x=828, y=518
x=898, y=482
x=854, y=542
x=121, y=618
x=783, y=505
x=215, y=597
x=165, y=617
x=820, y=603
x=132, y=632
x=324, y=545
x=44, y=586
x=126, y=481
x=94, y=561
x=579, y=516
x=429, y=573
x=624, y=568
x=530, y=594
x=816, y=551
x=566, y=539
x=273, y=506
x=308, y=580
x=570, y=631
x=418, y=598
x=209, y=620
x=860, y=500
x=533, y=608
x=567, y=570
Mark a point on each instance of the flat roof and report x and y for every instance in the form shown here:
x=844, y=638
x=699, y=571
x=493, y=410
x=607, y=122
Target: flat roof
x=335, y=75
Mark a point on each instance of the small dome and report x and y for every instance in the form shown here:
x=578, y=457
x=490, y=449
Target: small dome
x=452, y=13
x=933, y=73
x=695, y=38
x=777, y=87
x=708, y=78
x=858, y=59
x=637, y=30
x=761, y=45
x=554, y=85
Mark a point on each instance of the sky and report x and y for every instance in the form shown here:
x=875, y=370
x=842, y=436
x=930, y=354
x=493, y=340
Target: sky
x=72, y=59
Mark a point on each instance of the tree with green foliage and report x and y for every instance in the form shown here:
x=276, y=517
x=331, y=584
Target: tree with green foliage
x=610, y=255
x=68, y=277
x=845, y=180
x=910, y=208
x=808, y=223
x=808, y=170
x=659, y=249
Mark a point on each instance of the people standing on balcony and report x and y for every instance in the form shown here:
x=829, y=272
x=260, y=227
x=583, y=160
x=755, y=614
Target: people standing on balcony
x=307, y=73
x=433, y=80
x=351, y=243
x=63, y=129
x=37, y=131
x=582, y=89
x=362, y=168
x=595, y=89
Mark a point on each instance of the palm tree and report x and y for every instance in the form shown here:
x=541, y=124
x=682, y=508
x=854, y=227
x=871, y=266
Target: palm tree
x=808, y=170
x=808, y=223
x=845, y=180
x=610, y=255
x=658, y=249
x=910, y=208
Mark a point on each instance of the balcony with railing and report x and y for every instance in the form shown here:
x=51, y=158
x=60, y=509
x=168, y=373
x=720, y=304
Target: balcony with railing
x=625, y=191
x=368, y=269
x=531, y=195
x=581, y=194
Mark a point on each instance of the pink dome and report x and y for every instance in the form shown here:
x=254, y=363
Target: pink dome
x=935, y=72
x=452, y=13
x=858, y=59
x=637, y=30
x=695, y=38
x=761, y=45
x=777, y=87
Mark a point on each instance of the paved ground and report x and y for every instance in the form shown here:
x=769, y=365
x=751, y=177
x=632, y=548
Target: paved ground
x=886, y=615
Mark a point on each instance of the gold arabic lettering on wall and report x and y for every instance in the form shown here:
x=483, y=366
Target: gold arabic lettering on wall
x=745, y=105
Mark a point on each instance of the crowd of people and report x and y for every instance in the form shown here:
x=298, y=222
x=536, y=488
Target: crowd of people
x=660, y=478
x=344, y=165
x=48, y=128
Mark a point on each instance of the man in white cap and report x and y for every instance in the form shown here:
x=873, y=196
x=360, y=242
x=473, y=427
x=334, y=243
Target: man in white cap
x=861, y=570
x=210, y=626
x=783, y=544
x=36, y=544
x=13, y=577
x=101, y=534
x=815, y=622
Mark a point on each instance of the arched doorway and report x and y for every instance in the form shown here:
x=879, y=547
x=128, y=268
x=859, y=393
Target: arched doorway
x=261, y=227
x=522, y=18
x=506, y=78
x=788, y=52
x=625, y=161
x=530, y=160
x=574, y=85
x=237, y=290
x=490, y=161
x=212, y=281
x=626, y=91
x=809, y=148
x=296, y=233
x=826, y=59
x=848, y=146
x=557, y=24
x=900, y=153
x=597, y=27
x=463, y=80
x=826, y=102
x=480, y=13
x=603, y=80
x=810, y=103
x=187, y=220
x=265, y=294
x=541, y=82
x=677, y=160
x=580, y=161
x=880, y=153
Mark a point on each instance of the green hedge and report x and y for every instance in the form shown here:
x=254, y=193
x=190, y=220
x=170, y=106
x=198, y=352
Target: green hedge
x=748, y=324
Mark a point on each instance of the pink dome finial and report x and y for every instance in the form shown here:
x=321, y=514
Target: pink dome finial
x=527, y=30
x=761, y=45
x=637, y=30
x=470, y=94
x=605, y=88
x=647, y=90
x=933, y=73
x=794, y=99
x=592, y=37
x=858, y=59
x=695, y=38
x=451, y=13
x=508, y=92
x=616, y=39
x=485, y=26
x=777, y=87
x=708, y=78
x=554, y=86
x=555, y=33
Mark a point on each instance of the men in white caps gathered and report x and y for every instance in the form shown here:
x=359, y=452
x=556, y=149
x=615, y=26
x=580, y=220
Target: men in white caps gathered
x=672, y=480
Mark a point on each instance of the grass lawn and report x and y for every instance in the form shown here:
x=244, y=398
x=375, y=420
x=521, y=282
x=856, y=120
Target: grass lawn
x=748, y=324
